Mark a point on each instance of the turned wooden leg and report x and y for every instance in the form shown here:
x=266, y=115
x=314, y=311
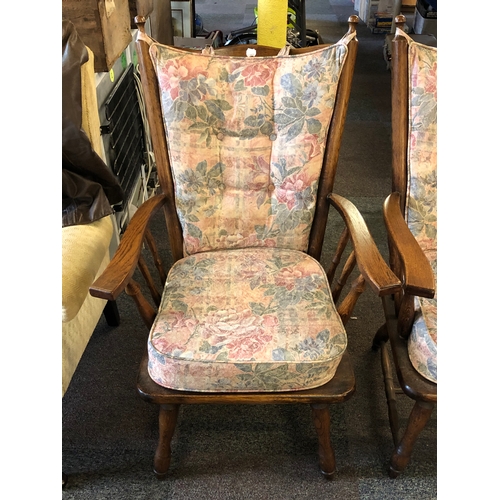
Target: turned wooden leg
x=381, y=337
x=390, y=393
x=419, y=417
x=167, y=421
x=321, y=417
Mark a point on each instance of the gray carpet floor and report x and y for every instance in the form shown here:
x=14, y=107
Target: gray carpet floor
x=256, y=452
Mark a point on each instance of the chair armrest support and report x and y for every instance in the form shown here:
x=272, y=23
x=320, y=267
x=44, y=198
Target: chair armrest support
x=370, y=262
x=418, y=275
x=117, y=274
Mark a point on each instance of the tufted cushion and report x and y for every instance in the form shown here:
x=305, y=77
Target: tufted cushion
x=422, y=197
x=246, y=137
x=83, y=250
x=259, y=319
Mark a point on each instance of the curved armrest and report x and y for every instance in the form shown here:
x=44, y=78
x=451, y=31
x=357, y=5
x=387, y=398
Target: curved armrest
x=370, y=262
x=418, y=275
x=121, y=268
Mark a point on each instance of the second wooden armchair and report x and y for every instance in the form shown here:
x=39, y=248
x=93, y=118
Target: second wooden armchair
x=410, y=213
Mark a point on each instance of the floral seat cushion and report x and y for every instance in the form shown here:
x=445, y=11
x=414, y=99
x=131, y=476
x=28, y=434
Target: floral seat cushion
x=259, y=319
x=422, y=197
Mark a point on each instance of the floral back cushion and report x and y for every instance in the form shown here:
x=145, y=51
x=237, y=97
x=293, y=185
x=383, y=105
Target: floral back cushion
x=422, y=178
x=422, y=197
x=246, y=137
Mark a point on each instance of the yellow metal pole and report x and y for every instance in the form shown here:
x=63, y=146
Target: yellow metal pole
x=271, y=22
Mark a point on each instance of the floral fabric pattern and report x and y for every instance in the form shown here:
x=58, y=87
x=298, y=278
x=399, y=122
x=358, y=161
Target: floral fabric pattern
x=258, y=319
x=246, y=137
x=422, y=197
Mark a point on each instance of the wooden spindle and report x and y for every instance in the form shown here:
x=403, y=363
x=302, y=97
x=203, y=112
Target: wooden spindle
x=156, y=256
x=148, y=314
x=346, y=272
x=345, y=309
x=155, y=294
x=344, y=239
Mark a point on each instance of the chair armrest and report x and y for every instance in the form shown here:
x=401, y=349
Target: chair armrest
x=418, y=274
x=370, y=262
x=117, y=274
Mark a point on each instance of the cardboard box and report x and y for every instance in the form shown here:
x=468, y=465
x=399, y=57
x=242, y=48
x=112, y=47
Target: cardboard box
x=383, y=20
x=103, y=25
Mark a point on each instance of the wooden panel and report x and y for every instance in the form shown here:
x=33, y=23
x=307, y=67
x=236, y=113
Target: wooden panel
x=103, y=25
x=161, y=22
x=159, y=13
x=140, y=8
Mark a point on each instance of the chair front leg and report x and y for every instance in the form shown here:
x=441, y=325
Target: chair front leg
x=419, y=417
x=321, y=418
x=167, y=421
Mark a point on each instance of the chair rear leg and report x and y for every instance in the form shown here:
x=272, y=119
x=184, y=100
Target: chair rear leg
x=167, y=421
x=419, y=417
x=321, y=418
x=381, y=337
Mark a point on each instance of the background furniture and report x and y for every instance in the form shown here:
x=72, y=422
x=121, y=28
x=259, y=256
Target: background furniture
x=410, y=215
x=86, y=250
x=103, y=25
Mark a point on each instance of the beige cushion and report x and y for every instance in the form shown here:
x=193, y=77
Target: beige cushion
x=83, y=249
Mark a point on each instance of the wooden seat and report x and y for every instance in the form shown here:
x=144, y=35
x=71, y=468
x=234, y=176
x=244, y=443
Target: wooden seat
x=411, y=221
x=246, y=151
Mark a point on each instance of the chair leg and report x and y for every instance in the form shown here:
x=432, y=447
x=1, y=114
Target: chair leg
x=381, y=337
x=111, y=313
x=167, y=421
x=419, y=417
x=390, y=393
x=321, y=417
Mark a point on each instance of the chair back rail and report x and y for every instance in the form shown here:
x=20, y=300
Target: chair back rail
x=399, y=92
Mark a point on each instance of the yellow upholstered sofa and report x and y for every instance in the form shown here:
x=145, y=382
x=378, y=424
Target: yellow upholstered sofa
x=86, y=250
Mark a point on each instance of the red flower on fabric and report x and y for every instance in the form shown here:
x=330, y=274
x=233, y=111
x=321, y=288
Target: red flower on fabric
x=191, y=244
x=246, y=347
x=241, y=332
x=173, y=72
x=288, y=277
x=431, y=81
x=257, y=75
x=292, y=185
x=314, y=146
x=164, y=346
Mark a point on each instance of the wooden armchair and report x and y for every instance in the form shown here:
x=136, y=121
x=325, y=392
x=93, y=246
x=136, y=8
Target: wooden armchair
x=411, y=219
x=246, y=151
